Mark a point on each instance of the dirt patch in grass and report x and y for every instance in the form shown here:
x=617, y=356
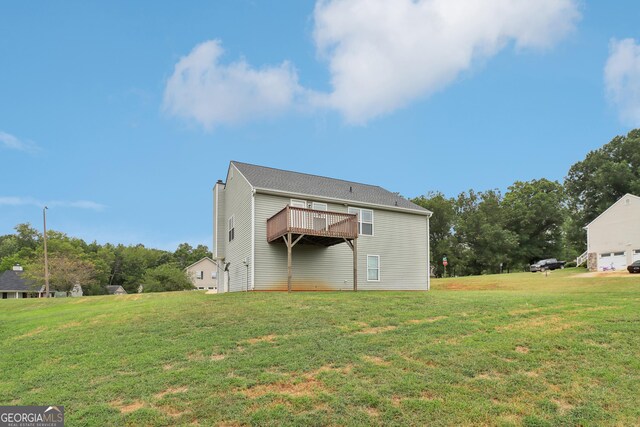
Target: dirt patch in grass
x=524, y=311
x=522, y=349
x=70, y=325
x=563, y=406
x=171, y=411
x=589, y=309
x=171, y=390
x=31, y=333
x=492, y=376
x=459, y=286
x=376, y=330
x=195, y=356
x=372, y=412
x=217, y=357
x=306, y=384
x=617, y=273
x=427, y=320
x=265, y=338
x=542, y=323
x=125, y=409
x=597, y=344
x=376, y=360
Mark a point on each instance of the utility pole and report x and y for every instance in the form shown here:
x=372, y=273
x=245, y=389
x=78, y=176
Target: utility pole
x=46, y=260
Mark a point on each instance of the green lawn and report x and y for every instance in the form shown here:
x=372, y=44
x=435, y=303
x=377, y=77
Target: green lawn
x=517, y=349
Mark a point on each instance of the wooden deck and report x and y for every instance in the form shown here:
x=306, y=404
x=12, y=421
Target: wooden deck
x=309, y=226
x=323, y=228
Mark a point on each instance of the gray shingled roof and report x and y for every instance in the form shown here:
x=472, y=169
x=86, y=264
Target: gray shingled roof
x=301, y=183
x=13, y=281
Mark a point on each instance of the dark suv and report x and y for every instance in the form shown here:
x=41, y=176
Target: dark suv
x=547, y=264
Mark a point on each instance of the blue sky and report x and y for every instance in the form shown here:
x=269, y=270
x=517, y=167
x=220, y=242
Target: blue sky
x=122, y=115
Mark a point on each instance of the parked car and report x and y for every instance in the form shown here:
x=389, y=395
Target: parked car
x=634, y=268
x=547, y=264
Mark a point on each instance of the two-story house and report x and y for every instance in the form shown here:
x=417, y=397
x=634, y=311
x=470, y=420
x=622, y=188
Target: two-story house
x=613, y=238
x=277, y=230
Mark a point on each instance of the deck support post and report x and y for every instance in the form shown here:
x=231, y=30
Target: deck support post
x=353, y=244
x=290, y=244
x=289, y=272
x=355, y=265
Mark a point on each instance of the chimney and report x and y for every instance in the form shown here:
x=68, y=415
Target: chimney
x=17, y=267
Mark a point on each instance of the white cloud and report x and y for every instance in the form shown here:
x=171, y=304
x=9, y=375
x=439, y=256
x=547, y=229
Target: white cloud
x=622, y=79
x=384, y=54
x=30, y=201
x=212, y=93
x=13, y=143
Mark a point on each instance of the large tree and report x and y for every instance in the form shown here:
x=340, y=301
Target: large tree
x=165, y=278
x=603, y=177
x=535, y=212
x=65, y=271
x=483, y=242
x=440, y=228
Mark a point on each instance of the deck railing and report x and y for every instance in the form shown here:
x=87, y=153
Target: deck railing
x=312, y=222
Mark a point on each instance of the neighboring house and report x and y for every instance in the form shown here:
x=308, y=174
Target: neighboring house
x=203, y=274
x=14, y=285
x=279, y=230
x=613, y=238
x=116, y=290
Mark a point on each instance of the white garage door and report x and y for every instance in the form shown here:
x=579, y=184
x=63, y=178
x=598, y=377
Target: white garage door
x=617, y=260
x=636, y=255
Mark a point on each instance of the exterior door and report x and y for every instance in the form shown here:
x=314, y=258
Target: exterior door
x=299, y=218
x=319, y=220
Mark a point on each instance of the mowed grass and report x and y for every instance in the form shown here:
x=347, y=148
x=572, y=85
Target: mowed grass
x=517, y=349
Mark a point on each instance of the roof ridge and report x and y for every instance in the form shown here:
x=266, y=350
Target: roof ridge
x=311, y=174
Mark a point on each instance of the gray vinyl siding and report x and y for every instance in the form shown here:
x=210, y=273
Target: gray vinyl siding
x=237, y=202
x=400, y=239
x=617, y=229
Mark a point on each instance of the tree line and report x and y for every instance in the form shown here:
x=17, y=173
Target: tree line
x=95, y=266
x=488, y=232
x=478, y=231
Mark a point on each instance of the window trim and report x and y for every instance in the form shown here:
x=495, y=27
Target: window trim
x=299, y=201
x=315, y=204
x=360, y=222
x=231, y=228
x=377, y=269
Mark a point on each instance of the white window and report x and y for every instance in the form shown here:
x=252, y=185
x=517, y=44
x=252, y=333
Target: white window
x=373, y=268
x=319, y=206
x=365, y=220
x=232, y=228
x=298, y=203
x=199, y=275
x=214, y=274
